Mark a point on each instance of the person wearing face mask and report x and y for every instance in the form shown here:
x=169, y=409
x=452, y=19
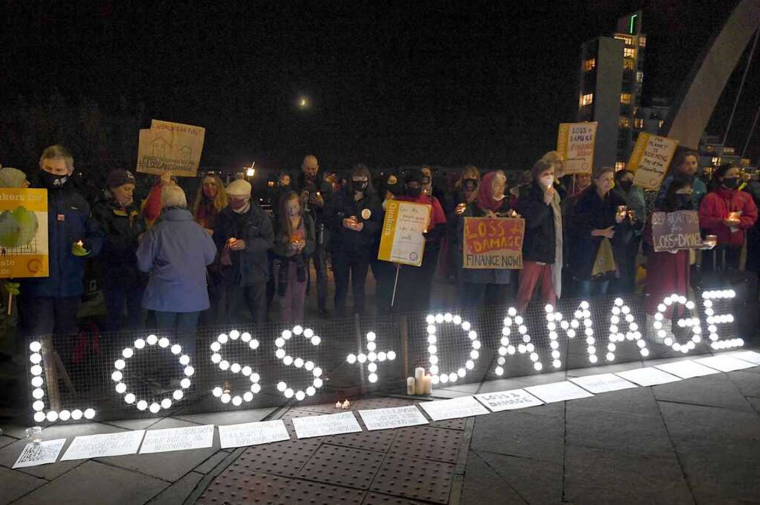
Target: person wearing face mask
x=596, y=222
x=49, y=305
x=355, y=219
x=123, y=283
x=464, y=193
x=685, y=163
x=243, y=235
x=294, y=242
x=417, y=282
x=727, y=213
x=626, y=243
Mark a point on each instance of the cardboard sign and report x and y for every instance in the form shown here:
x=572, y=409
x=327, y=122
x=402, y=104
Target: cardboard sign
x=43, y=453
x=650, y=159
x=178, y=439
x=575, y=143
x=243, y=435
x=320, y=426
x=398, y=417
x=508, y=400
x=675, y=231
x=402, y=240
x=99, y=446
x=23, y=233
x=172, y=147
x=492, y=243
x=454, y=409
x=602, y=383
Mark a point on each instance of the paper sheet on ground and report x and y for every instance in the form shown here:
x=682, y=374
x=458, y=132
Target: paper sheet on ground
x=454, y=409
x=750, y=356
x=687, y=369
x=397, y=417
x=178, y=439
x=648, y=376
x=558, y=392
x=725, y=363
x=43, y=453
x=508, y=400
x=243, y=435
x=602, y=383
x=321, y=426
x=100, y=446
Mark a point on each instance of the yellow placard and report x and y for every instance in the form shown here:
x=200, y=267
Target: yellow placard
x=575, y=143
x=23, y=233
x=402, y=240
x=172, y=147
x=650, y=159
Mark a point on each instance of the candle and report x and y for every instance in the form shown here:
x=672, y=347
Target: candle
x=419, y=385
x=80, y=243
x=410, y=387
x=428, y=384
x=337, y=405
x=346, y=404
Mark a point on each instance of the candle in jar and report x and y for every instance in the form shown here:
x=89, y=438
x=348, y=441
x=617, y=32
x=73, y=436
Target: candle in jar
x=80, y=243
x=410, y=387
x=337, y=405
x=428, y=384
x=419, y=385
x=346, y=404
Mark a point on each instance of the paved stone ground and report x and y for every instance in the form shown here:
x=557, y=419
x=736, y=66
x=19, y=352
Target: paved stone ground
x=694, y=441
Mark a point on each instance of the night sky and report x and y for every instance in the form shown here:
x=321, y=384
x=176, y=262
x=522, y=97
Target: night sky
x=390, y=83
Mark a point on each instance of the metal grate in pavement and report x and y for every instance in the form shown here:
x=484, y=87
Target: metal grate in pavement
x=231, y=489
x=414, y=478
x=344, y=466
x=425, y=442
x=316, y=493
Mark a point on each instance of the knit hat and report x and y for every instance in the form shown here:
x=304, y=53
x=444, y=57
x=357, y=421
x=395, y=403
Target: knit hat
x=119, y=177
x=239, y=187
x=11, y=177
x=600, y=171
x=540, y=167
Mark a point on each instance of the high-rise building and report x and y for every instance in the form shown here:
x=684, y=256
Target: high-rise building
x=611, y=83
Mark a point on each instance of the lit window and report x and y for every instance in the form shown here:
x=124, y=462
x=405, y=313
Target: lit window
x=629, y=63
x=638, y=123
x=709, y=149
x=629, y=52
x=587, y=99
x=625, y=122
x=620, y=165
x=589, y=65
x=728, y=150
x=625, y=98
x=639, y=76
x=626, y=40
x=716, y=161
x=642, y=41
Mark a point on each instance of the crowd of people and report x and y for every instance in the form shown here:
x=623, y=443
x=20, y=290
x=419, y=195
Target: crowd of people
x=210, y=262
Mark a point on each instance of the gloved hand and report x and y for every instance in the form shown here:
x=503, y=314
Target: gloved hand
x=77, y=249
x=12, y=287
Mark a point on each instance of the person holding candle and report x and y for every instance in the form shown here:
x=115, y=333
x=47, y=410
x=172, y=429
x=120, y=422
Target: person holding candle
x=465, y=192
x=685, y=163
x=294, y=242
x=626, y=243
x=728, y=214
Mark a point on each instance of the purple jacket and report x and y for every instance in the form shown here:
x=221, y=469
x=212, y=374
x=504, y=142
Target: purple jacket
x=176, y=251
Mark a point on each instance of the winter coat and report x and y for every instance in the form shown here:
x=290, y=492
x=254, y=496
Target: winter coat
x=281, y=243
x=715, y=208
x=342, y=206
x=176, y=251
x=699, y=190
x=476, y=275
x=539, y=243
x=250, y=265
x=69, y=221
x=121, y=227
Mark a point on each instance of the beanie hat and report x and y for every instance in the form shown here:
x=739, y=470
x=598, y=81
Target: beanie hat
x=11, y=177
x=600, y=171
x=119, y=177
x=413, y=176
x=540, y=167
x=240, y=187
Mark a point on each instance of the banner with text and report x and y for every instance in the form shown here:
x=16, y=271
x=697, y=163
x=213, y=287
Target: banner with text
x=24, y=233
x=402, y=240
x=171, y=147
x=674, y=231
x=575, y=142
x=650, y=160
x=493, y=243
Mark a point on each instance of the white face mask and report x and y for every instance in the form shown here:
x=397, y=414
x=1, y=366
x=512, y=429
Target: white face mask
x=547, y=181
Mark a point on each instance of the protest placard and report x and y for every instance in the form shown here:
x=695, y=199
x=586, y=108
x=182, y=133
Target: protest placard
x=650, y=159
x=575, y=143
x=23, y=233
x=675, y=231
x=322, y=426
x=172, y=147
x=493, y=243
x=42, y=453
x=178, y=439
x=402, y=240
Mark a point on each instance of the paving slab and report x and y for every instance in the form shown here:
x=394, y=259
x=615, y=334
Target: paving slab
x=15, y=484
x=13, y=430
x=179, y=491
x=379, y=440
x=619, y=432
x=225, y=418
x=318, y=493
x=168, y=466
x=384, y=499
x=448, y=393
x=135, y=424
x=231, y=488
x=755, y=402
x=483, y=485
x=598, y=476
x=639, y=401
x=281, y=458
x=343, y=466
x=694, y=422
x=708, y=391
x=470, y=388
x=748, y=383
x=6, y=441
x=535, y=481
x=414, y=478
x=517, y=434
x=427, y=442
x=543, y=378
x=595, y=370
x=95, y=483
x=211, y=462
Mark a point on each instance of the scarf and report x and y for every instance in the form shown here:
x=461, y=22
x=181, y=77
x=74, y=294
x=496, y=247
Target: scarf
x=485, y=198
x=557, y=266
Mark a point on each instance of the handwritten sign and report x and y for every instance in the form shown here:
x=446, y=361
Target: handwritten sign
x=402, y=240
x=99, y=446
x=23, y=233
x=508, y=400
x=558, y=392
x=650, y=159
x=676, y=231
x=398, y=417
x=43, y=453
x=178, y=439
x=243, y=435
x=320, y=426
x=456, y=408
x=602, y=383
x=493, y=243
x=172, y=147
x=575, y=143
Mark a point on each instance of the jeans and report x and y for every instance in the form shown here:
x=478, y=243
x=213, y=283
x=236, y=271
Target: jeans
x=591, y=289
x=238, y=298
x=182, y=326
x=49, y=316
x=350, y=264
x=116, y=297
x=292, y=300
x=477, y=294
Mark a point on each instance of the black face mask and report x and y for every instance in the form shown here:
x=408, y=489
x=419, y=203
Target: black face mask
x=731, y=183
x=682, y=201
x=414, y=192
x=626, y=185
x=359, y=186
x=52, y=181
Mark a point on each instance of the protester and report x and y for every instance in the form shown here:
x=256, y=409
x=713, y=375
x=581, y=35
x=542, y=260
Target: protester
x=427, y=181
x=48, y=305
x=464, y=192
x=558, y=162
x=627, y=241
x=523, y=182
x=596, y=220
x=684, y=162
x=294, y=242
x=315, y=194
x=726, y=213
x=484, y=286
x=418, y=281
x=539, y=204
x=355, y=218
x=210, y=200
x=123, y=284
x=753, y=234
x=580, y=182
x=243, y=234
x=151, y=207
x=384, y=271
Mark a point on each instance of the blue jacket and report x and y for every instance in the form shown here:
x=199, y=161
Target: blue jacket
x=699, y=191
x=69, y=221
x=176, y=251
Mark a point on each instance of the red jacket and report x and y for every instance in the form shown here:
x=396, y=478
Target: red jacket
x=716, y=206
